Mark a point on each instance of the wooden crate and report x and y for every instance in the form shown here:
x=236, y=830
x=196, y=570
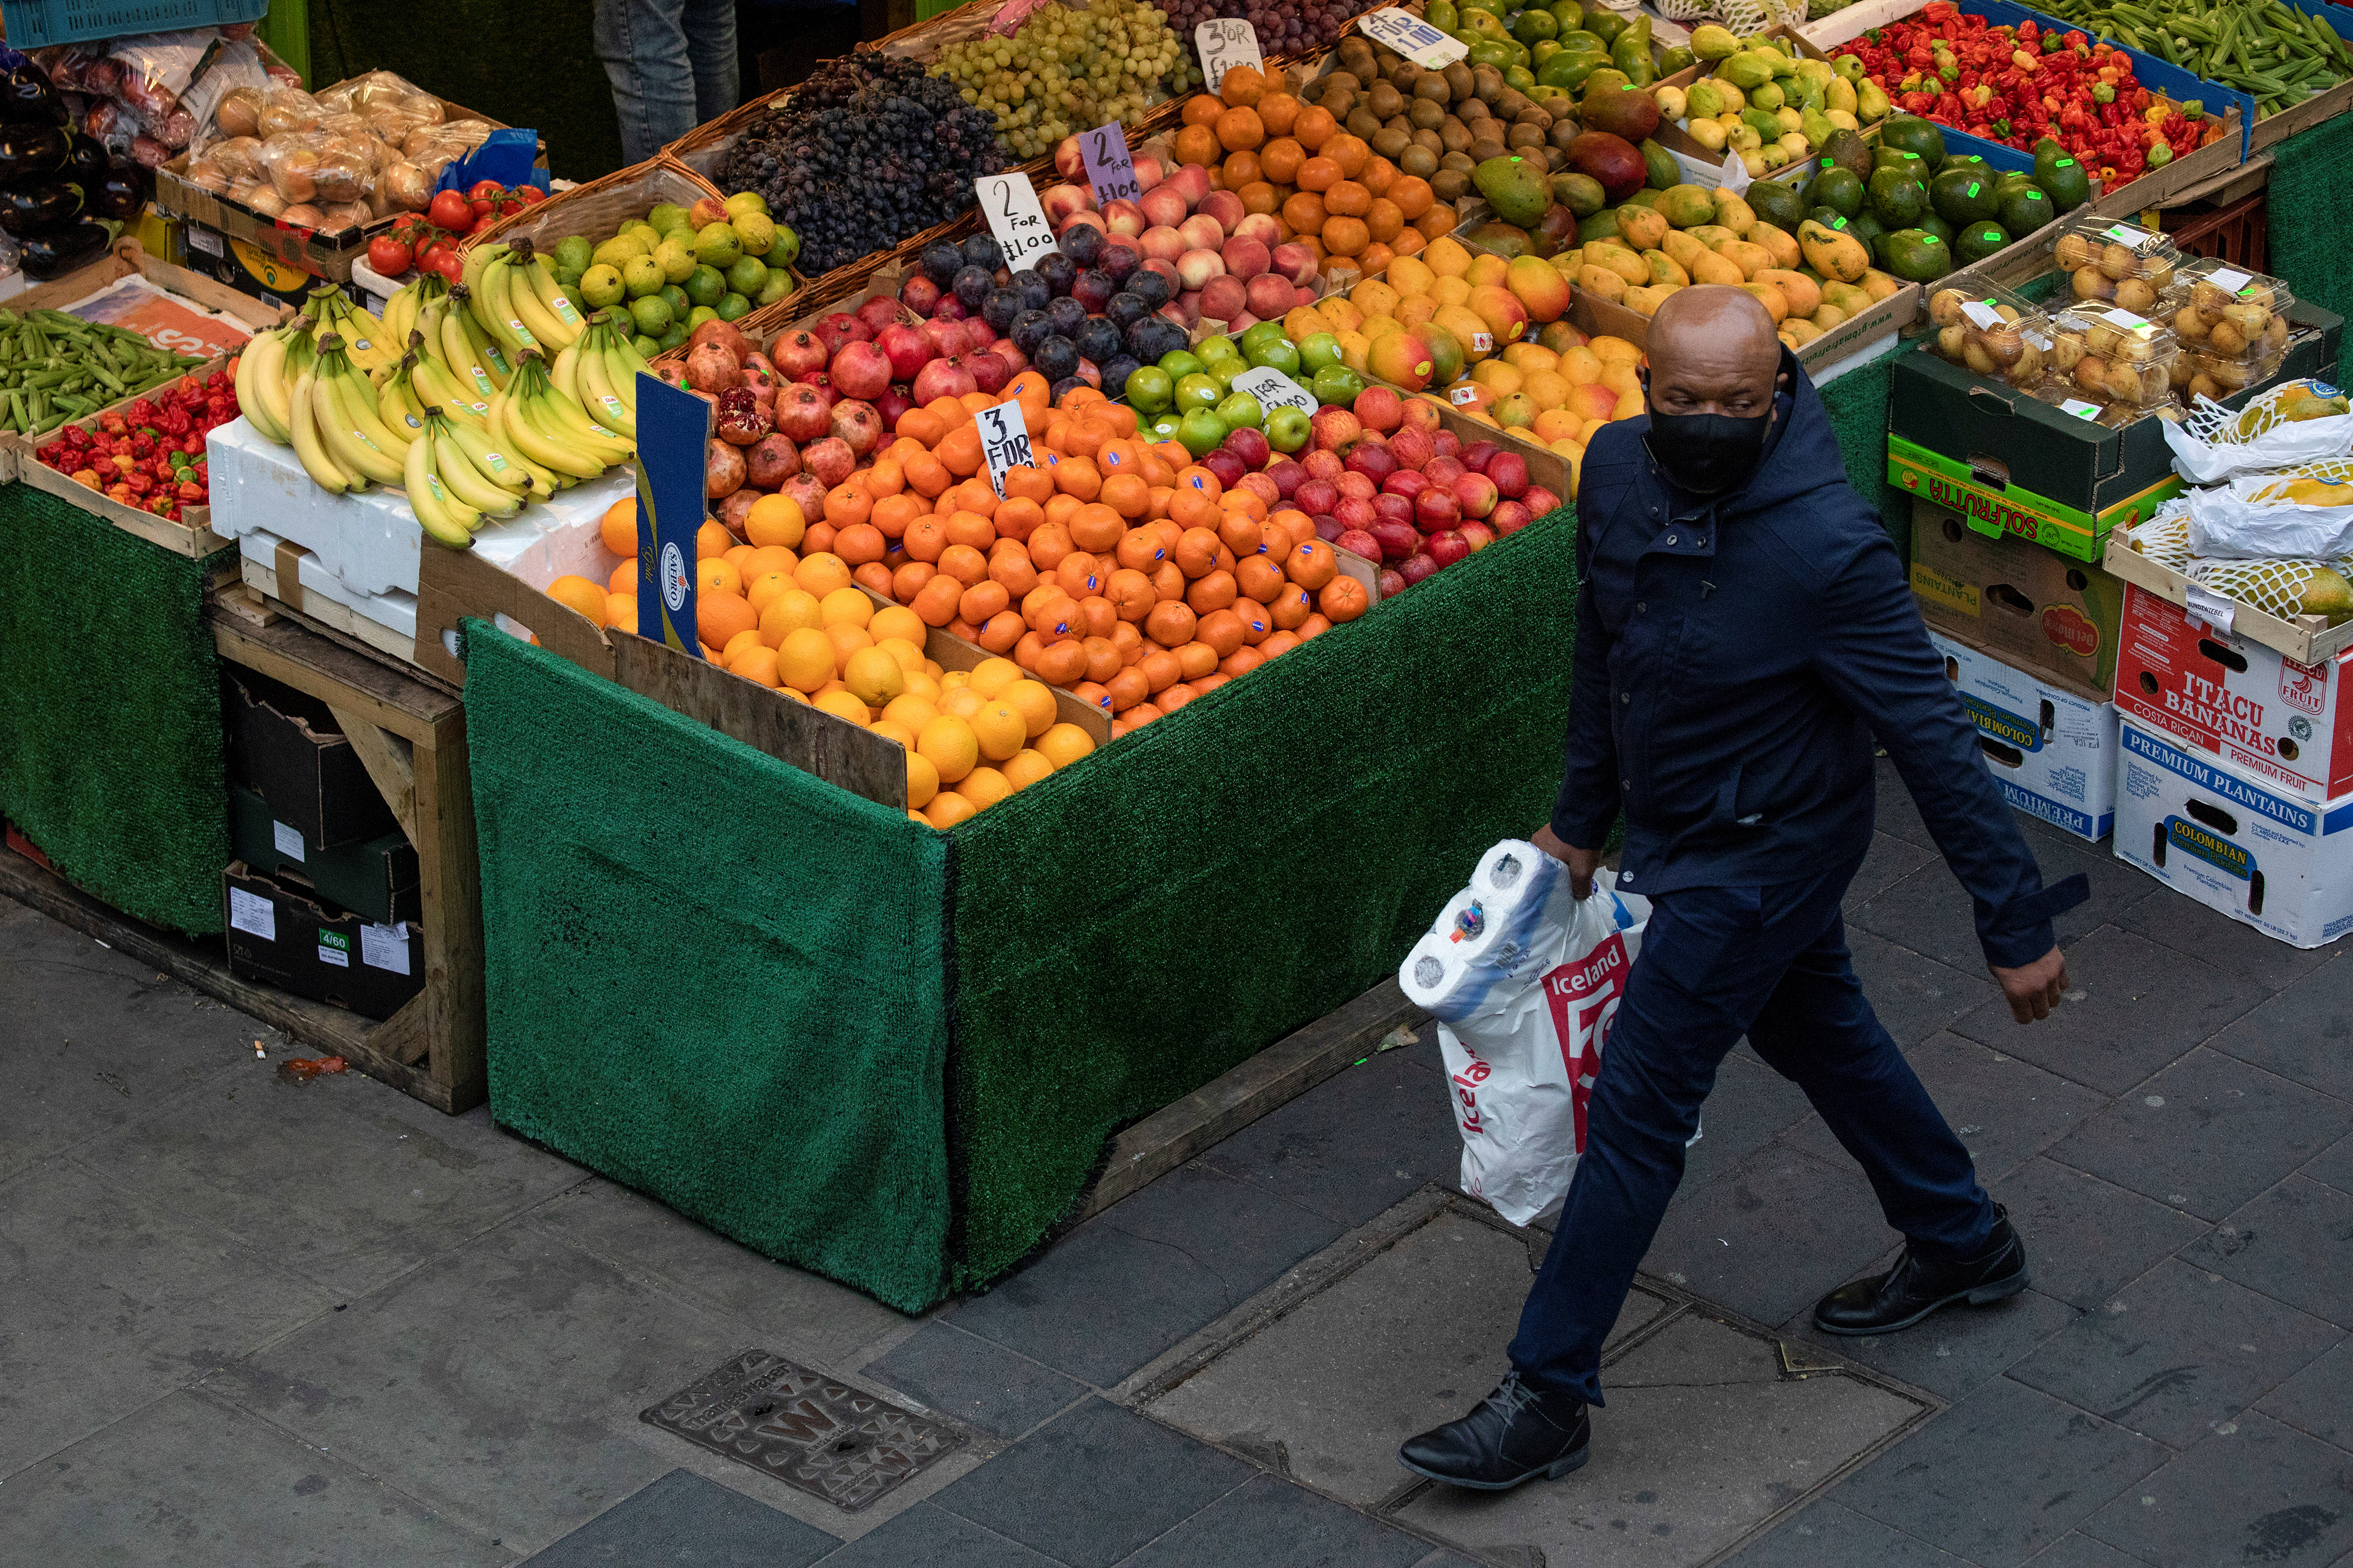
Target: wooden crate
x=412, y=739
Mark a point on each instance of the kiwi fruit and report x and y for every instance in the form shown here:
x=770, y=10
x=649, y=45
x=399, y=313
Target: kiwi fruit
x=1458, y=80
x=1448, y=184
x=1431, y=87
x=1462, y=162
x=1362, y=123
x=1430, y=142
x=1385, y=101
x=1455, y=135
x=1419, y=162
x=1485, y=147
x=1390, y=142
x=1427, y=113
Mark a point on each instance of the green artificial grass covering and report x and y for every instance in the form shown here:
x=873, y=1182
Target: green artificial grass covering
x=111, y=730
x=2310, y=192
x=1857, y=405
x=1130, y=929
x=711, y=976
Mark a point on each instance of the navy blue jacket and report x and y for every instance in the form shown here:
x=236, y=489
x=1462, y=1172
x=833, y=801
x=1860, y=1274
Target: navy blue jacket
x=1735, y=658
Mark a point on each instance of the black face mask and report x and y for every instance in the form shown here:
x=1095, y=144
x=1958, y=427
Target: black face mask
x=1707, y=453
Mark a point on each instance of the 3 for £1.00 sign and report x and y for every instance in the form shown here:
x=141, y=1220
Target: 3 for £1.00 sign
x=1004, y=441
x=1109, y=167
x=1224, y=43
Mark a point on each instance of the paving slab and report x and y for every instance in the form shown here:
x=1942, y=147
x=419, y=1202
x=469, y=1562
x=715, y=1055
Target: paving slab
x=794, y=1312
x=110, y=1300
x=96, y=1039
x=685, y=1521
x=2319, y=1399
x=2004, y=1111
x=2305, y=1033
x=1750, y=1105
x=1772, y=1234
x=2213, y=937
x=1411, y=1339
x=2000, y=1476
x=2136, y=1007
x=500, y=1383
x=1270, y=1523
x=1955, y=1350
x=1824, y=1535
x=1144, y=1273
x=2088, y=1239
x=1358, y=1142
x=2334, y=1165
x=2078, y=1550
x=1929, y=912
x=2294, y=1244
x=1093, y=1486
x=2253, y=1492
x=190, y=1481
x=928, y=1536
x=2176, y=1351
x=345, y=1179
x=1915, y=995
x=1681, y=1470
x=2207, y=1134
x=977, y=1381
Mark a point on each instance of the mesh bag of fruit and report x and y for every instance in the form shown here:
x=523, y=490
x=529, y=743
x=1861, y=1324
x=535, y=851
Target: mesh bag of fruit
x=2283, y=588
x=2165, y=538
x=2301, y=421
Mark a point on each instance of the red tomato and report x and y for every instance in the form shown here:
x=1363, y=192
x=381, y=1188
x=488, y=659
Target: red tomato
x=451, y=264
x=389, y=256
x=528, y=194
x=452, y=211
x=483, y=209
x=481, y=188
x=429, y=254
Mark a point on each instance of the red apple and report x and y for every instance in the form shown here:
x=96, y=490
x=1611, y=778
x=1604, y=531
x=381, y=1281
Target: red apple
x=1355, y=511
x=1389, y=583
x=1478, y=535
x=1539, y=500
x=1476, y=494
x=1333, y=426
x=1509, y=517
x=1405, y=482
x=1443, y=470
x=1446, y=443
x=1393, y=509
x=1411, y=445
x=1227, y=464
x=1447, y=546
x=1322, y=463
x=1510, y=472
x=1356, y=541
x=1475, y=456
x=1436, y=507
x=1287, y=477
x=1380, y=408
x=1312, y=496
x=1252, y=446
x=1414, y=568
x=1373, y=460
x=1397, y=540
x=1357, y=485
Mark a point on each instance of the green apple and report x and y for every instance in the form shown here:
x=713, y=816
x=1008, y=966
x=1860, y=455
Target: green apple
x=1180, y=363
x=1201, y=432
x=1149, y=389
x=1337, y=383
x=1212, y=350
x=1319, y=350
x=1196, y=391
x=1276, y=353
x=1241, y=410
x=1165, y=425
x=1225, y=369
x=1286, y=428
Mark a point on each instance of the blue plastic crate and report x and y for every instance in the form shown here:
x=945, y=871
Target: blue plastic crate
x=33, y=24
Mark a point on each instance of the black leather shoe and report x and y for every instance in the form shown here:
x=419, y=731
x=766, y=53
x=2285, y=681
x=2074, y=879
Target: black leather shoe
x=1916, y=1287
x=1514, y=1435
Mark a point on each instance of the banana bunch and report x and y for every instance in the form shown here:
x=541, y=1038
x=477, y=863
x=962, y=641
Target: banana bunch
x=511, y=293
x=549, y=427
x=400, y=314
x=599, y=372
x=460, y=366
x=364, y=336
x=342, y=442
x=456, y=476
x=262, y=385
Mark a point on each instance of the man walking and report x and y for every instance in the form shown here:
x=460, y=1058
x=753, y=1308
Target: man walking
x=1743, y=630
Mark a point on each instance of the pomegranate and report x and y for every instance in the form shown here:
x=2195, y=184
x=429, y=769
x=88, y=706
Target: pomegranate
x=772, y=460
x=828, y=461
x=856, y=424
x=798, y=353
x=722, y=470
x=710, y=368
x=861, y=371
x=742, y=421
x=804, y=490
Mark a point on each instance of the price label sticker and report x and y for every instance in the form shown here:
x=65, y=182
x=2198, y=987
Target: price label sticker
x=1010, y=203
x=2124, y=233
x=1462, y=397
x=1274, y=390
x=1981, y=313
x=1411, y=36
x=2228, y=279
x=1004, y=441
x=2080, y=409
x=1483, y=342
x=2127, y=321
x=1224, y=43
x=1110, y=169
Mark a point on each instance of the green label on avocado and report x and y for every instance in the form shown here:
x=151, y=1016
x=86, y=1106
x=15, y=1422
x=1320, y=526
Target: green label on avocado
x=1973, y=188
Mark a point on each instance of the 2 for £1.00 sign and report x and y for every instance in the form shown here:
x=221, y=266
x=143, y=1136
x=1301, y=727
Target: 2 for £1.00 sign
x=1010, y=202
x=1109, y=167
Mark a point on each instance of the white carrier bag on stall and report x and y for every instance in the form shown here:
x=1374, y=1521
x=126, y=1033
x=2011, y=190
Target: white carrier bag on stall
x=1524, y=979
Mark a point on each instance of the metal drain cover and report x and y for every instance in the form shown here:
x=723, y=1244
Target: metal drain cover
x=824, y=1437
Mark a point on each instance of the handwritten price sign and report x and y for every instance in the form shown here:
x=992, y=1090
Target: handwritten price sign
x=1411, y=36
x=1004, y=441
x=1010, y=203
x=1223, y=45
x=1274, y=390
x=1109, y=168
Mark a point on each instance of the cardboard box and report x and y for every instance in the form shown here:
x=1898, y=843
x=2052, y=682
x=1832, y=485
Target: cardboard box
x=2307, y=639
x=281, y=936
x=376, y=879
x=287, y=748
x=2035, y=609
x=2279, y=863
x=2273, y=717
x=2051, y=750
x=236, y=264
x=2010, y=463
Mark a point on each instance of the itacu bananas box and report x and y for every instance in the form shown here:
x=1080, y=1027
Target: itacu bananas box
x=2235, y=842
x=2053, y=751
x=2253, y=706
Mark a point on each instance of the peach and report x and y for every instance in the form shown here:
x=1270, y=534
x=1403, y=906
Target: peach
x=1160, y=243
x=1260, y=227
x=1062, y=203
x=1295, y=262
x=1162, y=206
x=1223, y=206
x=1192, y=181
x=1223, y=297
x=1269, y=296
x=1123, y=218
x=1149, y=173
x=1070, y=161
x=1185, y=310
x=1196, y=268
x=1202, y=232
x=1168, y=269
x=1247, y=259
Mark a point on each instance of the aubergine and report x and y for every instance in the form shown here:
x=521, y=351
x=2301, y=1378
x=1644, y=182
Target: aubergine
x=47, y=256
x=28, y=98
x=85, y=161
x=122, y=192
x=29, y=153
x=38, y=208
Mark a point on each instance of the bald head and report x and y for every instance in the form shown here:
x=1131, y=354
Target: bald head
x=1713, y=351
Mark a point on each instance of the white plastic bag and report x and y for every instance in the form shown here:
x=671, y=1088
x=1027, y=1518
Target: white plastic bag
x=2208, y=446
x=2252, y=518
x=1524, y=979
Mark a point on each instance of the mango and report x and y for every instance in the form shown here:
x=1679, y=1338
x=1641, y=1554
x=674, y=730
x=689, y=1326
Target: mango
x=1685, y=206
x=1733, y=213
x=1803, y=294
x=1647, y=300
x=1711, y=268
x=1543, y=293
x=1775, y=302
x=1681, y=248
x=1664, y=268
x=1603, y=281
x=1626, y=263
x=1780, y=244
x=1835, y=255
x=1750, y=259
x=1642, y=228
x=1712, y=234
x=1797, y=332
x=1879, y=285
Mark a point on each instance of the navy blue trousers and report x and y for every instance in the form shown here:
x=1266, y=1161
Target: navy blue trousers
x=1718, y=963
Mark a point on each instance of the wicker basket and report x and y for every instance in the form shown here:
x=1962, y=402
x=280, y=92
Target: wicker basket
x=598, y=208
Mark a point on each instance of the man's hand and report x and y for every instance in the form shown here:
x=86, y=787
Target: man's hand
x=2034, y=990
x=1582, y=863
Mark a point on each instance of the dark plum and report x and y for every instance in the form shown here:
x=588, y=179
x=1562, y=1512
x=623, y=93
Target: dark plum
x=1056, y=357
x=1057, y=271
x=1093, y=289
x=1000, y=307
x=1068, y=316
x=1067, y=386
x=1034, y=292
x=1123, y=310
x=982, y=251
x=972, y=287
x=1029, y=329
x=1098, y=340
x=1118, y=368
x=1168, y=336
x=942, y=262
x=1083, y=242
x=1142, y=339
x=1119, y=259
x=1153, y=288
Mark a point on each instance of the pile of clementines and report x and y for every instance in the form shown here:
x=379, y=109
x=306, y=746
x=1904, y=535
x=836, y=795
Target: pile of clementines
x=1328, y=189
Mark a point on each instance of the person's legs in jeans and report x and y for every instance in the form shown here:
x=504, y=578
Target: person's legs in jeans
x=644, y=46
x=1818, y=1031
x=1710, y=957
x=710, y=46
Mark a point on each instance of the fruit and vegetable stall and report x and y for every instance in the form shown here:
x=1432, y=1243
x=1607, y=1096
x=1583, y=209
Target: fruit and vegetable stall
x=859, y=605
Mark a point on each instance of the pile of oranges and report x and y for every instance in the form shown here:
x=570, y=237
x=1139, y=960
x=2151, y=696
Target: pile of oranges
x=1327, y=189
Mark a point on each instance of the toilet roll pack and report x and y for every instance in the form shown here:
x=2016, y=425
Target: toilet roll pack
x=1524, y=979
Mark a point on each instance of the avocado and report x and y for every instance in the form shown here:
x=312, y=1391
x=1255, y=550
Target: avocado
x=1963, y=195
x=2024, y=208
x=2062, y=178
x=1602, y=225
x=1867, y=229
x=1847, y=150
x=1516, y=187
x=1917, y=256
x=1663, y=171
x=1778, y=204
x=1979, y=240
x=1837, y=188
x=1931, y=223
x=1910, y=134
x=1897, y=197
x=1896, y=158
x=1828, y=217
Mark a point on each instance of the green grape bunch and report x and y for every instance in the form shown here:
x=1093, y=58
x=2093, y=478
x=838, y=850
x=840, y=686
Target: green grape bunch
x=1066, y=69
